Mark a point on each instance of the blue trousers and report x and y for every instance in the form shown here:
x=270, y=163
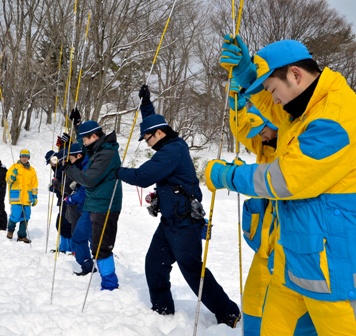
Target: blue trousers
x=183, y=245
x=19, y=213
x=80, y=240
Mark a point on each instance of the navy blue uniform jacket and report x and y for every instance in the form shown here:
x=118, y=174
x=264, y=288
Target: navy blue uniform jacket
x=171, y=166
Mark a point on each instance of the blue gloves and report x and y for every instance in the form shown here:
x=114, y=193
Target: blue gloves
x=231, y=54
x=238, y=57
x=214, y=171
x=14, y=175
x=220, y=174
x=241, y=102
x=34, y=200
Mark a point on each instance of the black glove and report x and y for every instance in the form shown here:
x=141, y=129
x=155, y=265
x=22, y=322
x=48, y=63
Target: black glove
x=75, y=116
x=145, y=95
x=65, y=164
x=56, y=184
x=65, y=137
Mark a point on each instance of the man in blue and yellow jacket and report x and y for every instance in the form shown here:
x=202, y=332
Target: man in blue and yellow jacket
x=23, y=188
x=312, y=179
x=259, y=222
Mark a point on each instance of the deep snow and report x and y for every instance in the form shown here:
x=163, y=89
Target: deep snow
x=27, y=306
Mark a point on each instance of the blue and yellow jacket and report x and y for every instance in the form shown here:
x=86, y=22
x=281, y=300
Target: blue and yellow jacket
x=259, y=222
x=314, y=181
x=22, y=190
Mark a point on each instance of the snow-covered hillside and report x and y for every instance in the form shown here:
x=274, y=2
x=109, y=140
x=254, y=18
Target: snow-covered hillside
x=27, y=271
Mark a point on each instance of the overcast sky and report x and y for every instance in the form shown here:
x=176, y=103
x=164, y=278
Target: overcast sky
x=346, y=8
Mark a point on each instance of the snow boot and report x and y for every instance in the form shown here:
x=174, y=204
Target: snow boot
x=55, y=250
x=9, y=234
x=230, y=320
x=167, y=309
x=82, y=273
x=24, y=239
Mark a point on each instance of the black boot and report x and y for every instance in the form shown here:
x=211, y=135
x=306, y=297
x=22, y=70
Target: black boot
x=230, y=320
x=82, y=273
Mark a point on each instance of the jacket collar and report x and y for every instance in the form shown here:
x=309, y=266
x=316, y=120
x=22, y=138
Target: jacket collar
x=298, y=105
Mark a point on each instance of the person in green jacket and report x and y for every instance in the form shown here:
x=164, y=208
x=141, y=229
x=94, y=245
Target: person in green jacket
x=101, y=185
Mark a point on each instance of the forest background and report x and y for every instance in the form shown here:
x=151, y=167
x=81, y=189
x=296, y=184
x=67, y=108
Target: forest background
x=95, y=55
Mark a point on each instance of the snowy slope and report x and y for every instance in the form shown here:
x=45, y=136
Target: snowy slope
x=28, y=276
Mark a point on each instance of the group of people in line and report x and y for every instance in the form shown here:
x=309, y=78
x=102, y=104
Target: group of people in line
x=300, y=221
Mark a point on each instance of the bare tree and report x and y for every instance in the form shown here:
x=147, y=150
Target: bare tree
x=47, y=58
x=21, y=27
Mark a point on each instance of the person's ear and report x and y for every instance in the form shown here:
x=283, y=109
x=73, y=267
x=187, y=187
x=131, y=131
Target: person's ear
x=296, y=73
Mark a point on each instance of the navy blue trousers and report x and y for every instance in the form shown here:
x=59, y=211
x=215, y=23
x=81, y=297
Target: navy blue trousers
x=183, y=245
x=80, y=240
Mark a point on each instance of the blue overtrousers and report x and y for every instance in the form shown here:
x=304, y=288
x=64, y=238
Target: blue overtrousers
x=19, y=213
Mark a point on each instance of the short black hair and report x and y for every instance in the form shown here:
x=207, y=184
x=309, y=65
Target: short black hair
x=308, y=65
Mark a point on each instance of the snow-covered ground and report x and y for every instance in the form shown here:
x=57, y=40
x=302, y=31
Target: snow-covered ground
x=39, y=296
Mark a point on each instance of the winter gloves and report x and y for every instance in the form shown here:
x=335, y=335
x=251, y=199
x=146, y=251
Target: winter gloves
x=34, y=200
x=219, y=174
x=238, y=58
x=65, y=137
x=61, y=140
x=241, y=102
x=145, y=95
x=75, y=117
x=14, y=175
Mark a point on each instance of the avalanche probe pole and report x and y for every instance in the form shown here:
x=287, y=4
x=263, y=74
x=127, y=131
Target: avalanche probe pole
x=212, y=203
x=132, y=128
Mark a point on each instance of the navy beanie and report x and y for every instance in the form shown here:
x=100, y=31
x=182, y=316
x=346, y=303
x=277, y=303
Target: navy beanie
x=75, y=149
x=88, y=127
x=151, y=123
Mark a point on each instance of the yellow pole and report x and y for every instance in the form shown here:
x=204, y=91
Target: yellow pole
x=148, y=77
x=65, y=107
x=212, y=202
x=132, y=128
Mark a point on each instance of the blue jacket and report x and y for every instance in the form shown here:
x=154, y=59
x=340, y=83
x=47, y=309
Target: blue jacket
x=170, y=167
x=314, y=182
x=78, y=197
